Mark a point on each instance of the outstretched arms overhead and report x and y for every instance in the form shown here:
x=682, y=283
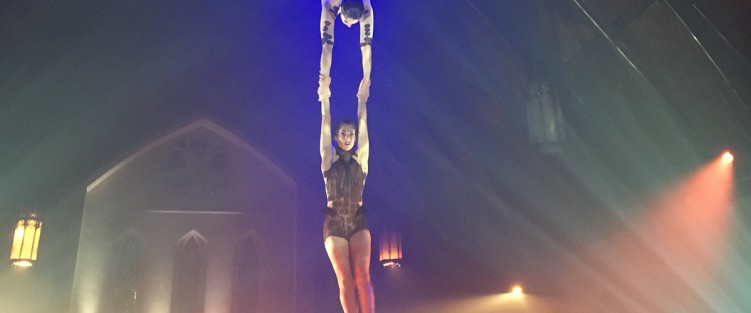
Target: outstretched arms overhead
x=328, y=16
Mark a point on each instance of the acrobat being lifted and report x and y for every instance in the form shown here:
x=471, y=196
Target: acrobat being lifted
x=351, y=12
x=346, y=232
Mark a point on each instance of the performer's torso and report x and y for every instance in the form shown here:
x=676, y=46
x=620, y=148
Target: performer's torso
x=345, y=181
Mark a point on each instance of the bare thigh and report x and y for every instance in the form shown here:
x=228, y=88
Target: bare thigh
x=338, y=250
x=359, y=249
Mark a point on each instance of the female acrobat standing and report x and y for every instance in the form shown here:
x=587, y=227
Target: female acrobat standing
x=345, y=231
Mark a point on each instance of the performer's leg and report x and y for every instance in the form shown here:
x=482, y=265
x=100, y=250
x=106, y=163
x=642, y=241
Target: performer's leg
x=338, y=251
x=359, y=249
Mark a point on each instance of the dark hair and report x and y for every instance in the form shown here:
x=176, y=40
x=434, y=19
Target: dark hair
x=353, y=9
x=336, y=133
x=341, y=124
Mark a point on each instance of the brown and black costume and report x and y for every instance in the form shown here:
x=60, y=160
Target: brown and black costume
x=344, y=186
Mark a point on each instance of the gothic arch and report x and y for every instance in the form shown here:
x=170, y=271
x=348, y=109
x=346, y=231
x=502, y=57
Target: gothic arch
x=189, y=275
x=248, y=267
x=202, y=123
x=197, y=237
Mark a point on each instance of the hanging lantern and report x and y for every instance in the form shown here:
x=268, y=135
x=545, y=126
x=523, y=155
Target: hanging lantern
x=23, y=253
x=391, y=248
x=544, y=117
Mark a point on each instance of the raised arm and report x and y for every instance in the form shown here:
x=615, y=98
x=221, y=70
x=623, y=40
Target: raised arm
x=327, y=153
x=363, y=143
x=328, y=15
x=366, y=40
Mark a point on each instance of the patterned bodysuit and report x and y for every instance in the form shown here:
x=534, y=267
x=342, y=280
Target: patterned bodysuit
x=344, y=185
x=327, y=23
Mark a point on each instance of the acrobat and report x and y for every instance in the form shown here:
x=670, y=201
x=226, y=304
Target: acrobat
x=344, y=166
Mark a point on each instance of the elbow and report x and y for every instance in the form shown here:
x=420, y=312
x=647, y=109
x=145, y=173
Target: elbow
x=328, y=47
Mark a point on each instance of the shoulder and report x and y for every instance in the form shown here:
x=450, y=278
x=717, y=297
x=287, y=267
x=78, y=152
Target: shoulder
x=327, y=165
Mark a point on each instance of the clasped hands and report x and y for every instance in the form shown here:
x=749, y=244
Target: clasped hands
x=324, y=88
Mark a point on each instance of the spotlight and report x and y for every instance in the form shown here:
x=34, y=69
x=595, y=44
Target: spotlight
x=727, y=157
x=517, y=291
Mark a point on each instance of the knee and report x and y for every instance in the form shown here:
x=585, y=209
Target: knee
x=346, y=283
x=362, y=277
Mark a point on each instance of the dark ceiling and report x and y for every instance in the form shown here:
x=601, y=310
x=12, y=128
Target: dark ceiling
x=650, y=90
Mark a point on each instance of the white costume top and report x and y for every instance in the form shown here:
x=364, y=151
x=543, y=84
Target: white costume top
x=331, y=10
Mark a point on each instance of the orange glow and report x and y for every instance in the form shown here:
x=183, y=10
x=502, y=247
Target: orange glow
x=687, y=229
x=517, y=291
x=664, y=258
x=391, y=248
x=26, y=242
x=22, y=264
x=727, y=157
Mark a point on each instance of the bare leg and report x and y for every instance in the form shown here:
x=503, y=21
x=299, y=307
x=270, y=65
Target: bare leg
x=338, y=251
x=359, y=249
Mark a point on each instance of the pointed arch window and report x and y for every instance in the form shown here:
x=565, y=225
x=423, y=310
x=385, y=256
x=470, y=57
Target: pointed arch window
x=247, y=270
x=189, y=278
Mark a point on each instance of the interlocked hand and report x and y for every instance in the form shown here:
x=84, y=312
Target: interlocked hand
x=363, y=92
x=324, y=87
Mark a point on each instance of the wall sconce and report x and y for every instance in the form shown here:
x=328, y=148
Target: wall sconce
x=23, y=253
x=391, y=248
